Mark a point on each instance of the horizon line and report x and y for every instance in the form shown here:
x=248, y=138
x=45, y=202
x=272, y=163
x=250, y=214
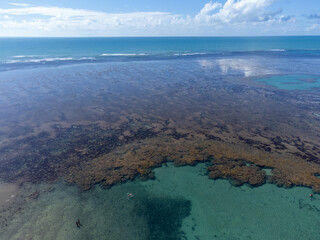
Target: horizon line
x=231, y=36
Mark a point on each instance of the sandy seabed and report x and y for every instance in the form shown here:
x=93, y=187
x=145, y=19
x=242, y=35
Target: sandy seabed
x=180, y=203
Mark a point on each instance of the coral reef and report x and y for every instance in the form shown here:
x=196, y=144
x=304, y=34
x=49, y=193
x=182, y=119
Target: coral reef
x=237, y=171
x=112, y=130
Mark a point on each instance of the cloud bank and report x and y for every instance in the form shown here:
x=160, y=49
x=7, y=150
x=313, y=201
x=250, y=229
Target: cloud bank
x=237, y=11
x=57, y=19
x=20, y=4
x=213, y=18
x=313, y=16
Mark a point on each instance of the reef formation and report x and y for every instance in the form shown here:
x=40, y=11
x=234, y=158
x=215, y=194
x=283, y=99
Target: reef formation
x=112, y=131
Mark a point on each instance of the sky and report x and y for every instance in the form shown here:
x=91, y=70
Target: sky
x=103, y=18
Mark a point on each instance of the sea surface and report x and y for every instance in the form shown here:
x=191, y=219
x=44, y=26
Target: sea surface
x=45, y=50
x=122, y=134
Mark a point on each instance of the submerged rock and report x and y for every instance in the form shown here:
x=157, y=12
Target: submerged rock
x=237, y=171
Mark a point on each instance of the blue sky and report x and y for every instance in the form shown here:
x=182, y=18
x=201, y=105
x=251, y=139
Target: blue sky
x=159, y=18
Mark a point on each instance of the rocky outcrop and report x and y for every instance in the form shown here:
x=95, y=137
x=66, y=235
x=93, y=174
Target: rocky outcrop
x=237, y=171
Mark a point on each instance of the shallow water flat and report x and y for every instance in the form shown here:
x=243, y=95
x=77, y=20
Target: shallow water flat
x=72, y=122
x=293, y=82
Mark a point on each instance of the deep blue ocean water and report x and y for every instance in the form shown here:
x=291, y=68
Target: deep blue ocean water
x=30, y=51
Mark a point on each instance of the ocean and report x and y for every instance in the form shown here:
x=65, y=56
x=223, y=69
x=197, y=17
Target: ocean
x=43, y=50
x=160, y=138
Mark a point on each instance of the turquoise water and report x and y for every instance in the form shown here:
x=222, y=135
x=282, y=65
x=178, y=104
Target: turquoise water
x=181, y=203
x=15, y=50
x=293, y=82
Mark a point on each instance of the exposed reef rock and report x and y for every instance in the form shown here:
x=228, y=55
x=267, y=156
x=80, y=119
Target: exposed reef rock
x=87, y=155
x=237, y=171
x=135, y=159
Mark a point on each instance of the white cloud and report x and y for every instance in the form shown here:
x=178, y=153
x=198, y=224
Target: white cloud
x=20, y=4
x=56, y=18
x=49, y=11
x=5, y=17
x=314, y=27
x=237, y=11
x=204, y=14
x=287, y=19
x=234, y=17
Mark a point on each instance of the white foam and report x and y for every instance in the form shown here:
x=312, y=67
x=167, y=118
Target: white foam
x=192, y=54
x=38, y=60
x=278, y=50
x=86, y=58
x=25, y=56
x=189, y=54
x=122, y=54
x=49, y=59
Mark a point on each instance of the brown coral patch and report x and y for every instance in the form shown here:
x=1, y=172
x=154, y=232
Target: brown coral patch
x=136, y=159
x=238, y=171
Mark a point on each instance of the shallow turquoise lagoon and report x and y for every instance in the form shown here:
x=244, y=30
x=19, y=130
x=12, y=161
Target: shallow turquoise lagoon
x=293, y=82
x=181, y=203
